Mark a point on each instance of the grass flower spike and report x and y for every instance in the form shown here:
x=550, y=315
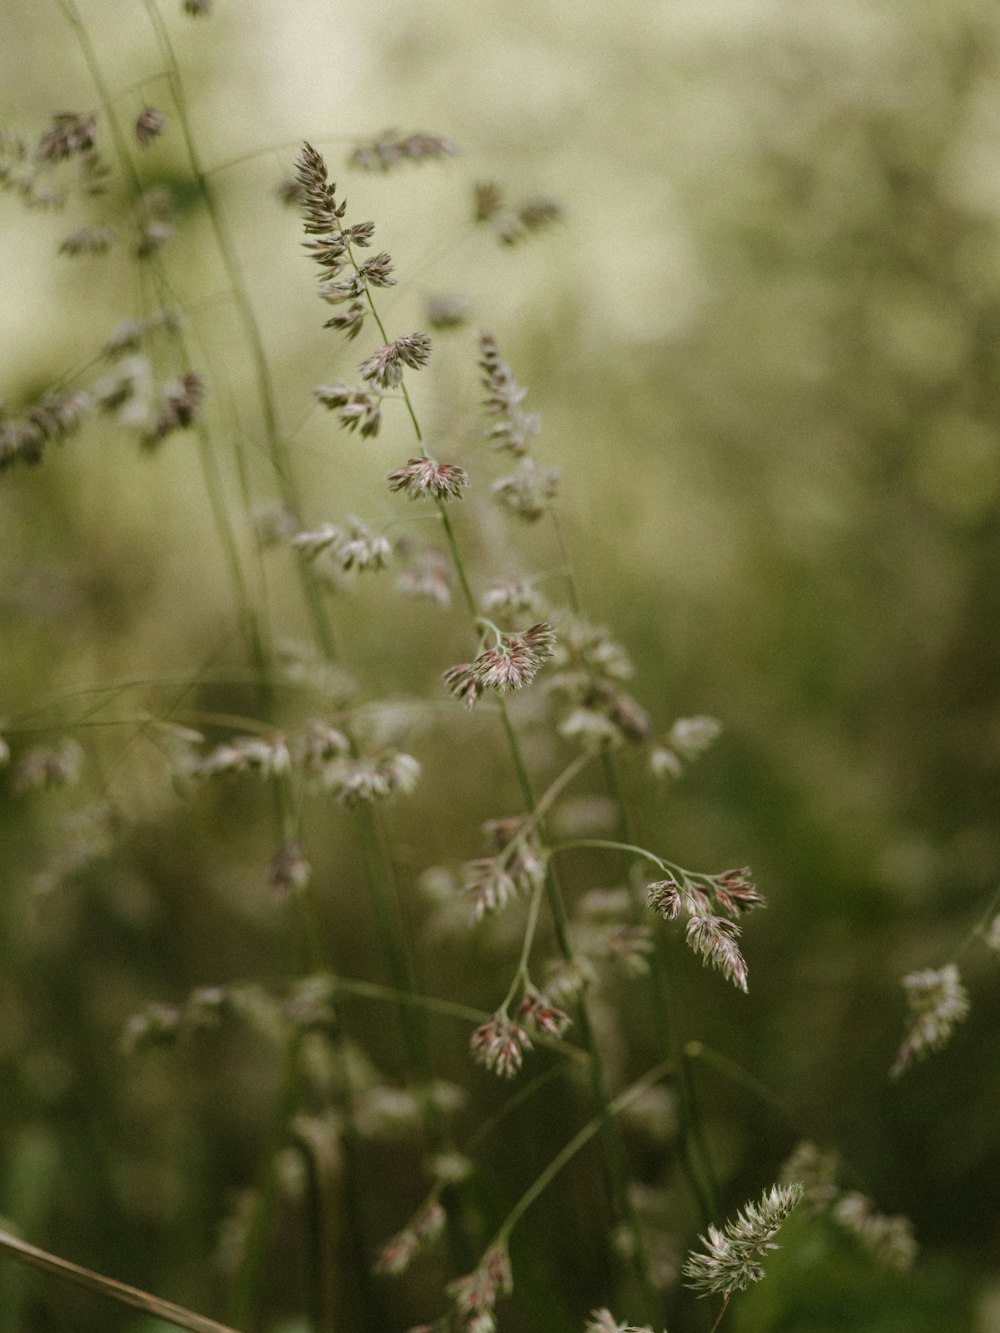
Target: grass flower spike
x=732, y=1258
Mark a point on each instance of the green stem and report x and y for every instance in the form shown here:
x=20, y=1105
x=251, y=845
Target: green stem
x=521, y=974
x=614, y=1147
x=109, y=1287
x=244, y=1296
x=213, y=482
x=695, y=1158
x=698, y=1051
x=727, y=1296
x=578, y=1141
x=251, y=330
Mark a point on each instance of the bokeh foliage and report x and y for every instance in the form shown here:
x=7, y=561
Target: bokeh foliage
x=764, y=343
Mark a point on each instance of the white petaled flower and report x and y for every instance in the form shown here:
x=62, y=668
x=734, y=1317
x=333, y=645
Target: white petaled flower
x=732, y=1258
x=938, y=1003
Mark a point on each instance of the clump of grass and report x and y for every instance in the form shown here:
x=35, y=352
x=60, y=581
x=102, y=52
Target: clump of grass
x=542, y=703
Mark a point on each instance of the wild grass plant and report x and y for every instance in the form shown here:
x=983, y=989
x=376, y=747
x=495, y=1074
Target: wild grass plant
x=441, y=1053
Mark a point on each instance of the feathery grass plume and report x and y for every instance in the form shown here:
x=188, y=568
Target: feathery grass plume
x=687, y=740
x=427, y=573
x=889, y=1240
x=516, y=868
x=28, y=172
x=49, y=766
x=129, y=335
x=603, y=1321
x=255, y=755
x=733, y=1257
x=712, y=903
x=604, y=932
x=489, y=884
x=510, y=663
x=154, y=218
x=316, y=747
x=385, y=365
x=357, y=408
x=816, y=1171
x=991, y=934
x=589, y=670
x=398, y=1252
x=289, y=871
x=512, y=427
x=180, y=408
x=390, y=150
x=512, y=597
x=500, y=1045
x=354, y=546
x=332, y=247
x=476, y=1294
x=361, y=781
x=425, y=476
x=938, y=1002
x=96, y=240
x=149, y=125
x=510, y=224
x=70, y=135
x=48, y=419
x=539, y=212
x=528, y=491
x=538, y=1014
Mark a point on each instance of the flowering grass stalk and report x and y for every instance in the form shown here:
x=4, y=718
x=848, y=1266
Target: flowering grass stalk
x=327, y=1093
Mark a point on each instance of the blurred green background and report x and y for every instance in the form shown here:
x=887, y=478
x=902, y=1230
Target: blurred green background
x=764, y=342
